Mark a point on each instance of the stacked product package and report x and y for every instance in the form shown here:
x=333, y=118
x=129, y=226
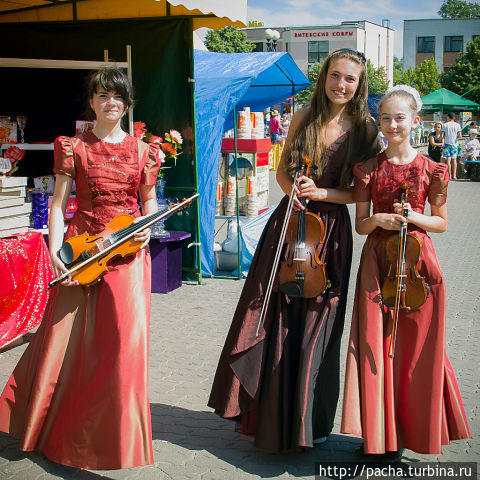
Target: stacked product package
x=14, y=211
x=250, y=124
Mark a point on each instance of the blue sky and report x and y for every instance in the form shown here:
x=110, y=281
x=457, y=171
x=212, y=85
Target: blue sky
x=282, y=13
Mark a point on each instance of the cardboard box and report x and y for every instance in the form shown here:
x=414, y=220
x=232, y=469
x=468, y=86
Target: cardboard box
x=11, y=192
x=8, y=182
x=15, y=210
x=12, y=231
x=10, y=202
x=15, y=221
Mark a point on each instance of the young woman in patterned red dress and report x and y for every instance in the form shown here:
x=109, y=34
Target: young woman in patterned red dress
x=79, y=393
x=412, y=400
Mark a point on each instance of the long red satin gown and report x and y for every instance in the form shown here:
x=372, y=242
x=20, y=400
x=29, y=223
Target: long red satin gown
x=282, y=387
x=413, y=400
x=79, y=393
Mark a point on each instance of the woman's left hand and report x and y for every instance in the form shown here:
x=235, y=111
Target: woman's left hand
x=308, y=189
x=399, y=210
x=142, y=235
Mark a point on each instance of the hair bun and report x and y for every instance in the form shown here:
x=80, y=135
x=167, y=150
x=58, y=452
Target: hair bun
x=407, y=88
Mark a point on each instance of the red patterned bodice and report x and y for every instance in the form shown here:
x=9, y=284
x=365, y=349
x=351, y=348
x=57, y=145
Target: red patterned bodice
x=379, y=181
x=107, y=177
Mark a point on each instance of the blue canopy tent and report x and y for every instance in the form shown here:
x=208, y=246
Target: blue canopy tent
x=225, y=82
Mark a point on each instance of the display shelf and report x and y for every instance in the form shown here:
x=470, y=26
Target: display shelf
x=75, y=65
x=61, y=64
x=29, y=146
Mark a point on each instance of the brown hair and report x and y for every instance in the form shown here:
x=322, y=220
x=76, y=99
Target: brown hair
x=309, y=139
x=111, y=79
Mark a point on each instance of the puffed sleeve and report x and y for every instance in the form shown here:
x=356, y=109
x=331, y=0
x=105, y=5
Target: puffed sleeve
x=152, y=165
x=362, y=173
x=63, y=157
x=437, y=193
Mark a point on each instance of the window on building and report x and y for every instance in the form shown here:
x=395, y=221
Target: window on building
x=454, y=44
x=317, y=51
x=425, y=44
x=258, y=47
x=286, y=46
x=474, y=37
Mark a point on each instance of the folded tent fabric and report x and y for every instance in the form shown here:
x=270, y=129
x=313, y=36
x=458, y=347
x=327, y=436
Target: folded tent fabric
x=224, y=81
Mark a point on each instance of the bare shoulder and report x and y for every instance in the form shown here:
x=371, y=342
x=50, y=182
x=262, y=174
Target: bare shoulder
x=298, y=117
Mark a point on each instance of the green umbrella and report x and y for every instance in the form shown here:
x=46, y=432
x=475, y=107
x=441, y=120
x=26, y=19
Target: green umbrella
x=443, y=99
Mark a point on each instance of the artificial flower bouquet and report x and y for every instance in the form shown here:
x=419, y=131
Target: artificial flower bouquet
x=170, y=145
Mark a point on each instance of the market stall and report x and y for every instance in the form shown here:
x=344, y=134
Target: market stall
x=70, y=38
x=225, y=84
x=444, y=101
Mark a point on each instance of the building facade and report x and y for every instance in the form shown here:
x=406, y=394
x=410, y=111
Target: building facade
x=439, y=38
x=311, y=44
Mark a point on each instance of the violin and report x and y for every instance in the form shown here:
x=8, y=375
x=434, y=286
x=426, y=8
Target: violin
x=403, y=287
x=87, y=256
x=301, y=273
x=299, y=278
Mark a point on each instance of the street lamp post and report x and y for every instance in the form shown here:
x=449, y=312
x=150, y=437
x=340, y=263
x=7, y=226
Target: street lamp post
x=272, y=37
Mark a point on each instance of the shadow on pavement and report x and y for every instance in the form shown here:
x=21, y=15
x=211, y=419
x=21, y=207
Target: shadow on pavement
x=203, y=430
x=9, y=451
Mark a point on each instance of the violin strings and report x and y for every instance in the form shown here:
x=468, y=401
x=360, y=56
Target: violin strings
x=117, y=236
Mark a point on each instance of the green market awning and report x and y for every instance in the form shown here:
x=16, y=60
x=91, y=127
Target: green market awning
x=443, y=99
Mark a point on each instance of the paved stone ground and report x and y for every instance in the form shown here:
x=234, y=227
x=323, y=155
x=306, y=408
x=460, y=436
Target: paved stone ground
x=187, y=332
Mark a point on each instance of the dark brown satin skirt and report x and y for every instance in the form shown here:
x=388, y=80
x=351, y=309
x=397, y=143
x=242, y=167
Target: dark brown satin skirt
x=283, y=386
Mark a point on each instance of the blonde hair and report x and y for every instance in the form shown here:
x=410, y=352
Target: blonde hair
x=310, y=137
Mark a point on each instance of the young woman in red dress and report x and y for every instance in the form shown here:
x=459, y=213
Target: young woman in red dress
x=282, y=386
x=79, y=393
x=411, y=400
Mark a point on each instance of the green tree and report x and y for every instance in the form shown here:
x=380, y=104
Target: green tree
x=377, y=79
x=228, y=40
x=397, y=70
x=408, y=77
x=459, y=9
x=464, y=74
x=303, y=98
x=425, y=77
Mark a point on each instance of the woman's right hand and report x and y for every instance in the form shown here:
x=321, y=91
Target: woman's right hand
x=388, y=221
x=296, y=202
x=59, y=269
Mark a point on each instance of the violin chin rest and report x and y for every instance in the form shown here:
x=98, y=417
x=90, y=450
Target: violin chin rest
x=292, y=289
x=66, y=253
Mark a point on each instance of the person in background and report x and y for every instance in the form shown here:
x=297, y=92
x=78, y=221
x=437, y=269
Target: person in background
x=418, y=132
x=453, y=134
x=469, y=126
x=276, y=128
x=472, y=146
x=79, y=393
x=285, y=123
x=436, y=142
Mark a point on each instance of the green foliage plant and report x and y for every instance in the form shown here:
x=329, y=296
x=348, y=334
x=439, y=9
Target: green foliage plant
x=228, y=40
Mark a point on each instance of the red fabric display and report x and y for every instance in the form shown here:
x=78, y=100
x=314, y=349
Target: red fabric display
x=26, y=270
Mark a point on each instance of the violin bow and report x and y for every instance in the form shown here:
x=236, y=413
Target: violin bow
x=268, y=291
x=155, y=218
x=402, y=242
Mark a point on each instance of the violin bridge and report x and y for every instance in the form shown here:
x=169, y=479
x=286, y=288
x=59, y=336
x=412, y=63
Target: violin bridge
x=297, y=259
